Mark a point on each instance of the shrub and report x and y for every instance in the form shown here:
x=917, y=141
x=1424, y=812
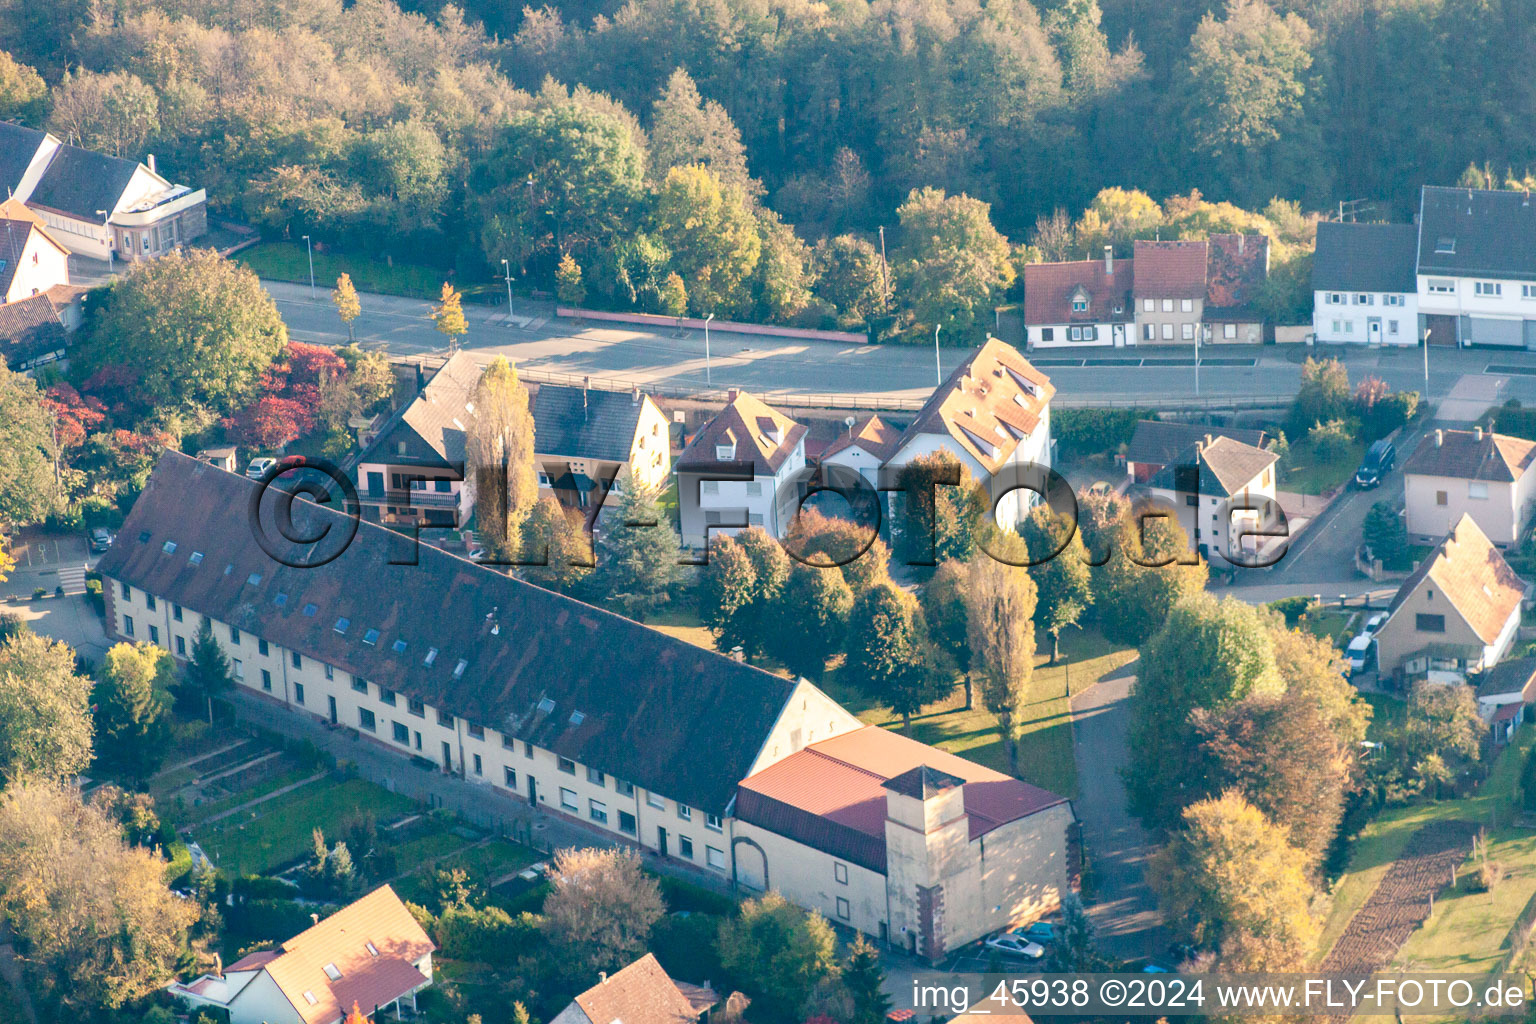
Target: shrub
x=681, y=895
x=58, y=591
x=1292, y=608
x=1331, y=440
x=259, y=887
x=39, y=593
x=270, y=921
x=1083, y=432
x=487, y=934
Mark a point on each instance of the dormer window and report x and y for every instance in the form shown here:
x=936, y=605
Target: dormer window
x=1079, y=300
x=1446, y=245
x=725, y=452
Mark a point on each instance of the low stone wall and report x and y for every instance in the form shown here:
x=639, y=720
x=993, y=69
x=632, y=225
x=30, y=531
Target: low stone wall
x=729, y=326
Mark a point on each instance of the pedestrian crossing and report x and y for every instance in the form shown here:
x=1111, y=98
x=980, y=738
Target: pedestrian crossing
x=72, y=578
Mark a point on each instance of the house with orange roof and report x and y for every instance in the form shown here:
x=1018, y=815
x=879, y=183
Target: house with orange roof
x=371, y=953
x=1459, y=611
x=743, y=468
x=1079, y=303
x=641, y=993
x=32, y=259
x=992, y=415
x=868, y=445
x=902, y=841
x=1453, y=473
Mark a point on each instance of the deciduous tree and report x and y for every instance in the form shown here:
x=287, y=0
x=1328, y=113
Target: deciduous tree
x=937, y=520
x=889, y=655
x=45, y=718
x=952, y=261
x=687, y=129
x=23, y=93
x=553, y=533
x=599, y=915
x=448, y=316
x=568, y=283
x=347, y=306
x=498, y=449
x=850, y=277
x=813, y=619
x=1000, y=632
x=1150, y=568
x=1063, y=583
x=28, y=491
x=710, y=229
x=944, y=609
x=780, y=953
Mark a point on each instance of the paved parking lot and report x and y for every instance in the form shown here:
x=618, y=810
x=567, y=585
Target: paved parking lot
x=47, y=561
x=70, y=619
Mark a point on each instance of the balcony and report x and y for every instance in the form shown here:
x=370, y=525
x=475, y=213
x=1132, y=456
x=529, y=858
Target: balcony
x=415, y=497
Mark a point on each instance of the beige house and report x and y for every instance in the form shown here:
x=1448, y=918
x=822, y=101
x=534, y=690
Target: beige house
x=1459, y=611
x=1169, y=291
x=1477, y=473
x=743, y=468
x=641, y=993
x=371, y=953
x=538, y=701
x=1222, y=490
x=925, y=850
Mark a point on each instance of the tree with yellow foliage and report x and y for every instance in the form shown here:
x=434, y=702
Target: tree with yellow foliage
x=448, y=316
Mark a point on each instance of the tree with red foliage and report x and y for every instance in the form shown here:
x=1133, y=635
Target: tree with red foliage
x=75, y=414
x=270, y=423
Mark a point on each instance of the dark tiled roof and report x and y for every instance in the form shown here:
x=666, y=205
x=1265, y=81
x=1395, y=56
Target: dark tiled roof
x=1472, y=455
x=1236, y=268
x=1170, y=270
x=13, y=242
x=1493, y=234
x=1225, y=466
x=1512, y=676
x=585, y=424
x=745, y=423
x=1158, y=443
x=79, y=182
x=1365, y=257
x=434, y=422
x=28, y=329
x=1049, y=287
x=18, y=145
x=657, y=712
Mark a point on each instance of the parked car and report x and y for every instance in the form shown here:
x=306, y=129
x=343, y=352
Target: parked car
x=258, y=467
x=101, y=539
x=1041, y=932
x=1359, y=652
x=1011, y=945
x=1380, y=457
x=1373, y=624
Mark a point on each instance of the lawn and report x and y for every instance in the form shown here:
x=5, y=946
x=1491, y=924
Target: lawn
x=1332, y=624
x=1467, y=930
x=682, y=623
x=279, y=831
x=1304, y=472
x=288, y=261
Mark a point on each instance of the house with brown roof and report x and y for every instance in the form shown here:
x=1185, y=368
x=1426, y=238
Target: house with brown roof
x=371, y=954
x=1080, y=303
x=641, y=993
x=1222, y=491
x=32, y=334
x=992, y=415
x=1477, y=473
x=1156, y=443
x=1504, y=692
x=743, y=468
x=1170, y=290
x=1458, y=611
x=868, y=445
x=1236, y=268
x=918, y=847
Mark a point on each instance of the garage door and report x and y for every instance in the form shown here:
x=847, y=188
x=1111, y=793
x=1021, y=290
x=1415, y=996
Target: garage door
x=1530, y=334
x=1487, y=331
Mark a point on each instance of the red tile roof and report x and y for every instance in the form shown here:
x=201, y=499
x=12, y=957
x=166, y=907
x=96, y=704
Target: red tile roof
x=1235, y=270
x=874, y=435
x=1170, y=270
x=1048, y=290
x=760, y=434
x=1473, y=576
x=641, y=993
x=831, y=795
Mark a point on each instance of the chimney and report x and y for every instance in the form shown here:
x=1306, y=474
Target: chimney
x=1109, y=261
x=1439, y=438
x=1209, y=440
x=150, y=161
x=1240, y=240
x=602, y=977
x=421, y=378
x=634, y=394
x=586, y=382
x=1477, y=433
x=315, y=918
x=218, y=966
x=730, y=396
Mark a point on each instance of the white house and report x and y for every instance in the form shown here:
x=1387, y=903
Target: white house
x=1222, y=491
x=98, y=204
x=1079, y=304
x=31, y=259
x=1477, y=473
x=747, y=439
x=1477, y=266
x=1364, y=289
x=867, y=446
x=1508, y=685
x=371, y=953
x=992, y=415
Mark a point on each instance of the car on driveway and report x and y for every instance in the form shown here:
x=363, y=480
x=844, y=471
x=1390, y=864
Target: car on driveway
x=258, y=467
x=101, y=539
x=1380, y=457
x=1009, y=944
x=1358, y=653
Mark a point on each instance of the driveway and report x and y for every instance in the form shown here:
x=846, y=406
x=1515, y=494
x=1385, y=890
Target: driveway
x=70, y=619
x=1123, y=907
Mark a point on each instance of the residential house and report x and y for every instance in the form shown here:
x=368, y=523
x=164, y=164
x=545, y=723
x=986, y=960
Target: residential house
x=536, y=702
x=1503, y=694
x=921, y=848
x=868, y=445
x=641, y=993
x=1222, y=491
x=742, y=468
x=1082, y=303
x=1364, y=288
x=1170, y=290
x=993, y=416
x=32, y=260
x=1459, y=611
x=99, y=205
x=1474, y=472
x=371, y=953
x=1156, y=443
x=1477, y=267
x=589, y=443
x=411, y=469
x=1236, y=268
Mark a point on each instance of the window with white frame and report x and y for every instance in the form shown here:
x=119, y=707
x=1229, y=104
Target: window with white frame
x=1489, y=289
x=1338, y=328
x=1229, y=330
x=1148, y=305
x=1079, y=305
x=1477, y=489
x=713, y=823
x=1391, y=326
x=685, y=812
x=1528, y=291
x=1188, y=332
x=1187, y=305
x=709, y=487
x=1167, y=332
x=568, y=800
x=597, y=811
x=714, y=858
x=1441, y=286
x=1167, y=305
x=652, y=800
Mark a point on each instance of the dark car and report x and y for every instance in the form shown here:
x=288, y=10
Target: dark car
x=1380, y=457
x=101, y=539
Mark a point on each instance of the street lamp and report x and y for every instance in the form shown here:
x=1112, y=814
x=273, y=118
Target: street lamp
x=1427, y=332
x=508, y=268
x=309, y=246
x=938, y=372
x=1198, y=331
x=105, y=215
x=708, y=378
